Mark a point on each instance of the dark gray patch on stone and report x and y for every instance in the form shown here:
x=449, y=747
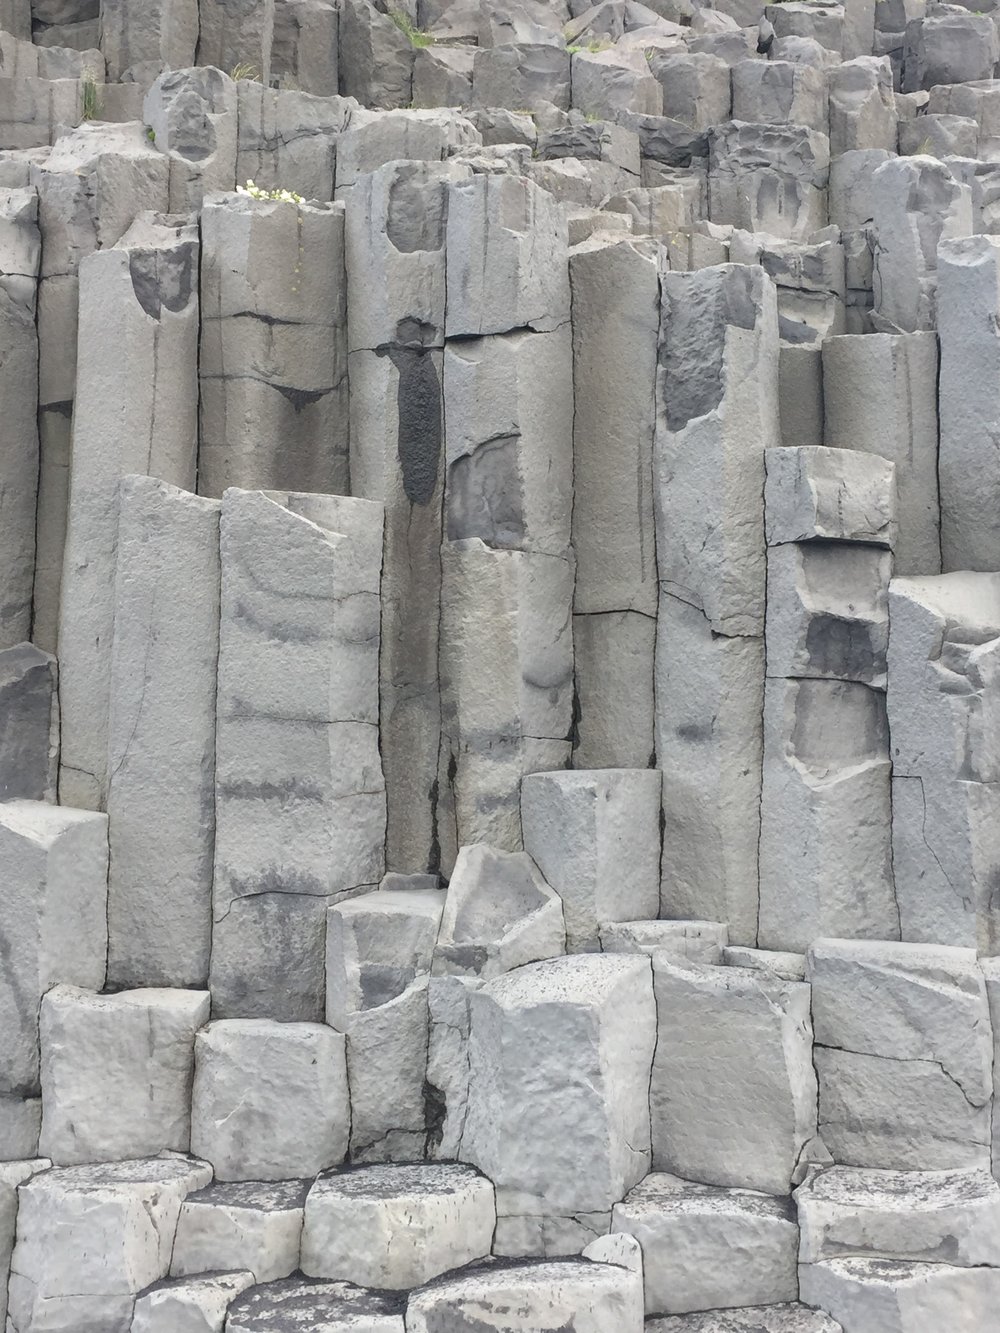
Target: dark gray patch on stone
x=389, y=1180
x=163, y=277
x=27, y=684
x=296, y=1305
x=382, y=982
x=276, y=964
x=840, y=647
x=415, y=217
x=485, y=496
x=266, y=1196
x=696, y=311
x=420, y=434
x=301, y=398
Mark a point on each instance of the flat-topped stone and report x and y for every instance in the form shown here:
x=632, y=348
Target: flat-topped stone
x=298, y=1306
x=790, y=1317
x=254, y=1225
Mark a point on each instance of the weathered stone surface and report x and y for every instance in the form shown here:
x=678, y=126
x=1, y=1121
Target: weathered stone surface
x=614, y=666
x=880, y=396
x=54, y=923
x=533, y=1298
x=139, y=42
x=936, y=1216
x=289, y=1119
x=526, y=76
x=559, y=1061
x=161, y=799
x=396, y=1227
x=525, y=283
x=193, y=116
x=116, y=1072
x=287, y=139
x=189, y=1305
x=305, y=46
x=883, y=1296
x=697, y=941
x=376, y=58
x=320, y=1307
x=241, y=1226
x=498, y=915
x=749, y=1034
x=20, y=1122
x=12, y=1174
x=706, y=1248
x=89, y=1238
x=594, y=836
x=300, y=800
x=273, y=360
x=236, y=33
x=769, y=178
x=822, y=494
x=903, y=1054
x=29, y=724
x=784, y=1318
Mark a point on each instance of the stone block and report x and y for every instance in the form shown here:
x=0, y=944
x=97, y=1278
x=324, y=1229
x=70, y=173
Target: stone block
x=753, y=167
x=903, y=1054
x=90, y=1238
x=133, y=413
x=375, y=57
x=193, y=116
x=783, y=1318
x=376, y=138
x=396, y=1227
x=614, y=655
x=828, y=612
x=20, y=1122
x=321, y=1307
x=521, y=77
x=559, y=1061
x=829, y=495
x=779, y=92
x=969, y=298
x=706, y=1248
x=289, y=1118
x=521, y=232
x=189, y=1305
x=138, y=43
x=733, y=1090
x=696, y=87
x=29, y=724
x=297, y=764
x=54, y=923
x=237, y=34
x=376, y=946
x=499, y=914
x=273, y=360
x=12, y=1174
x=116, y=1072
x=862, y=110
x=886, y=1296
x=241, y=1226
x=387, y=1047
x=913, y=1215
x=305, y=46
x=595, y=837
x=825, y=841
x=450, y=1021
x=696, y=941
x=880, y=397
x=20, y=260
x=606, y=83
x=949, y=48
x=800, y=390
x=534, y=1298
x=507, y=686
x=161, y=791
x=286, y=139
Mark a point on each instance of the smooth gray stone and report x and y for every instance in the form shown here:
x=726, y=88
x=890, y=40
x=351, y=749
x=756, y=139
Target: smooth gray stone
x=29, y=724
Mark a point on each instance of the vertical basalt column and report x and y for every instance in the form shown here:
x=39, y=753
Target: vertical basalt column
x=90, y=188
x=21, y=247
x=136, y=412
x=508, y=565
x=616, y=320
x=717, y=411
x=161, y=777
x=299, y=796
x=273, y=370
x=237, y=32
x=395, y=252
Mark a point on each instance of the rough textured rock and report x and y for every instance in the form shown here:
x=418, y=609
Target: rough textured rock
x=240, y=1226
x=29, y=724
x=189, y=1305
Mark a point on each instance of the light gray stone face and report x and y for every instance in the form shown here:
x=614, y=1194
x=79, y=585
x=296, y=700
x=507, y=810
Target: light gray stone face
x=116, y=1072
x=708, y=1248
x=326, y=1307
x=29, y=724
x=614, y=665
x=755, y=166
x=822, y=494
x=595, y=837
x=90, y=1238
x=161, y=797
x=249, y=1226
x=297, y=764
x=193, y=116
x=273, y=358
x=969, y=286
x=189, y=1305
x=904, y=1082
x=697, y=941
x=750, y=1035
x=289, y=1119
x=784, y=1318
x=882, y=1296
x=235, y=33
x=395, y=1227
x=141, y=42
x=934, y=1216
x=536, y=1297
x=55, y=923
x=880, y=397
x=560, y=1055
x=498, y=915
x=20, y=260
x=376, y=58
x=136, y=413
x=286, y=139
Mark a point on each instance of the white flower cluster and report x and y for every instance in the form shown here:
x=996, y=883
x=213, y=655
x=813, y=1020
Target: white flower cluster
x=281, y=196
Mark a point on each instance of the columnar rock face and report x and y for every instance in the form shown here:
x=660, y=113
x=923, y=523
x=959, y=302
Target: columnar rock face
x=272, y=360
x=499, y=697
x=133, y=414
x=297, y=762
x=716, y=414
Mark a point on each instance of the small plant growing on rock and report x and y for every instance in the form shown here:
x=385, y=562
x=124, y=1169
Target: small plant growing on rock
x=244, y=70
x=277, y=196
x=92, y=104
x=409, y=29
